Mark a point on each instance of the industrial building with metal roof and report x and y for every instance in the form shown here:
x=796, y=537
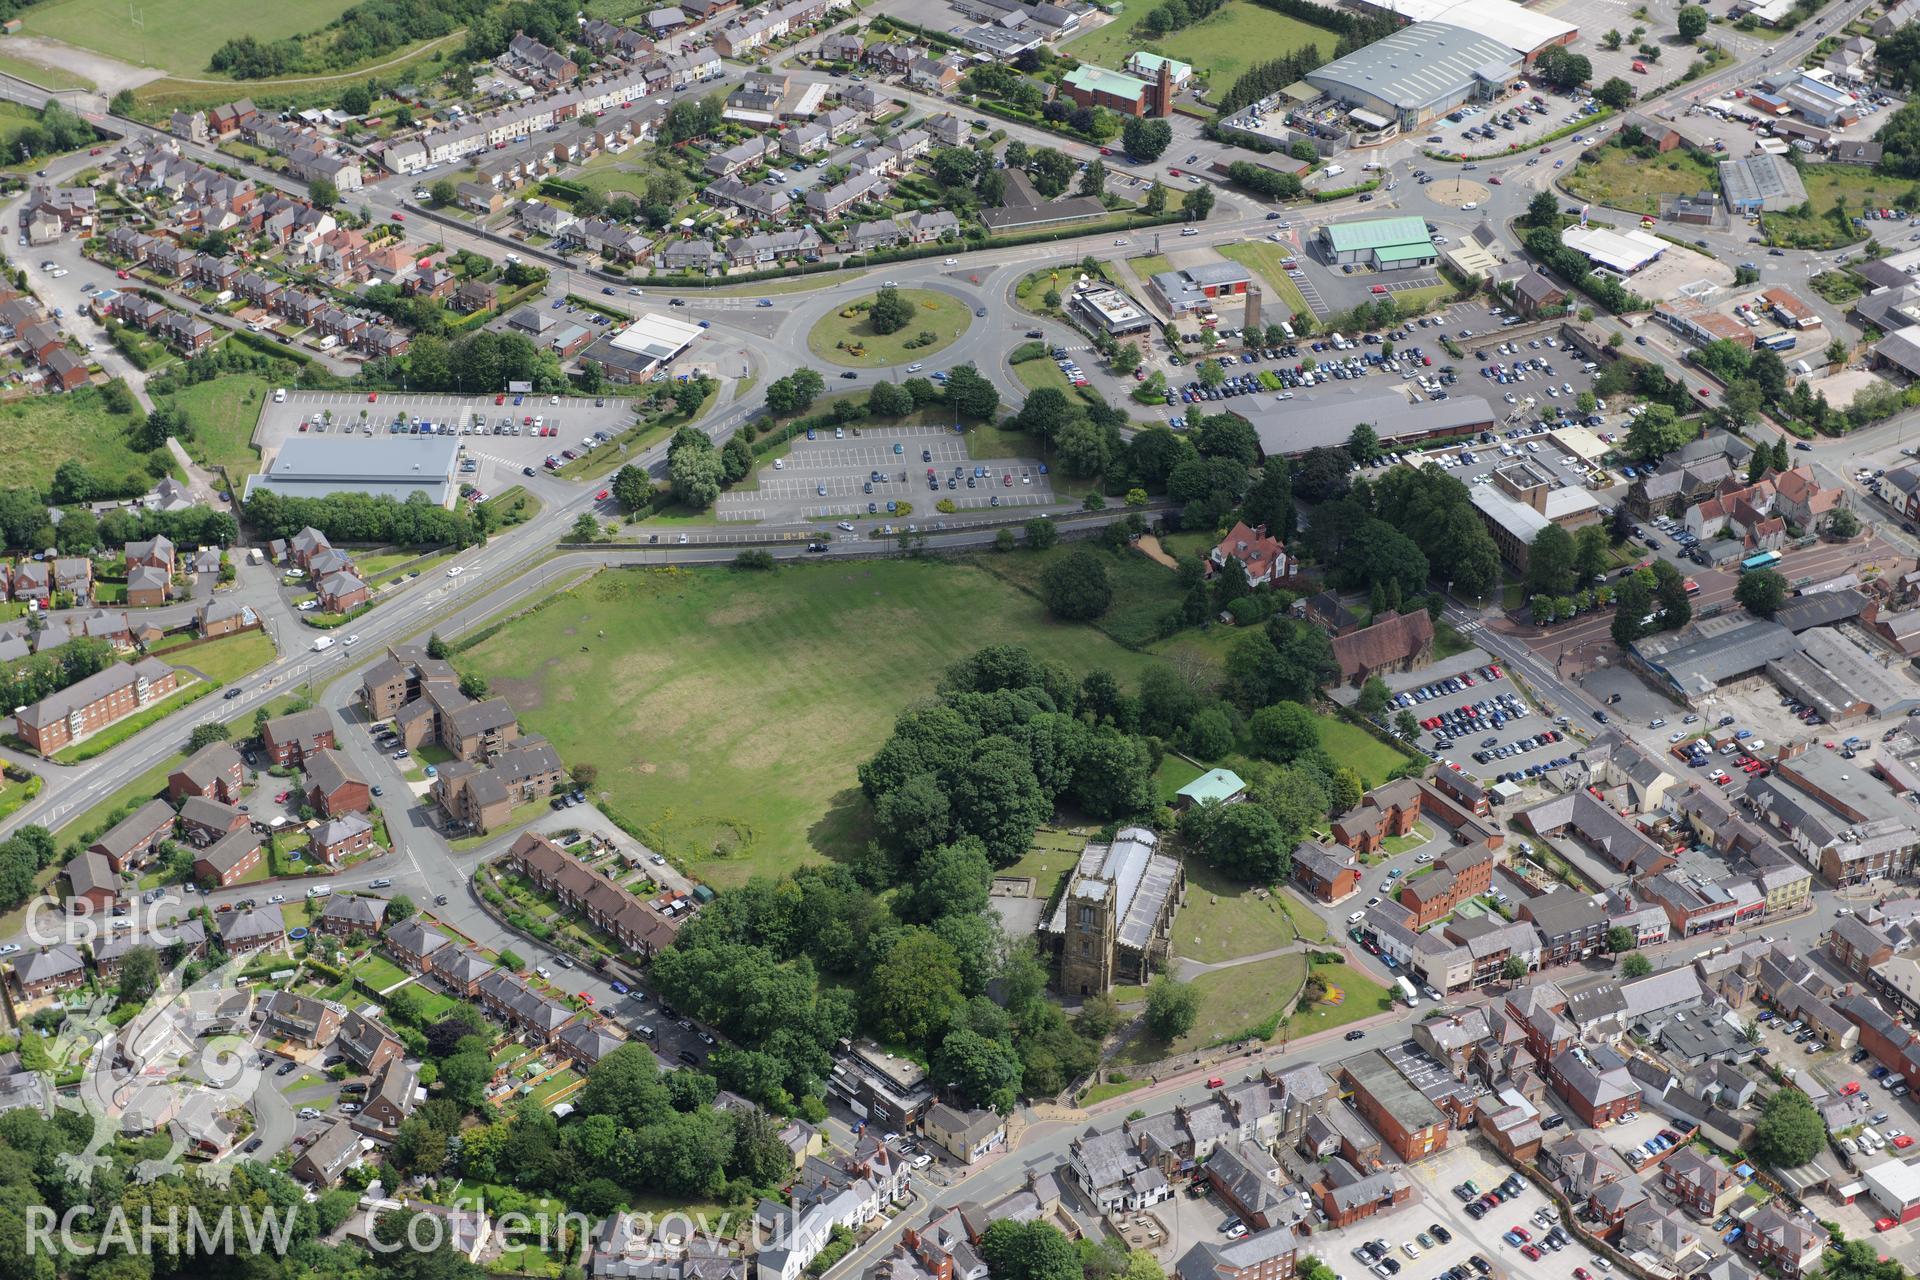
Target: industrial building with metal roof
x=382, y=466
x=1387, y=244
x=1696, y=661
x=1288, y=427
x=1419, y=72
x=1761, y=184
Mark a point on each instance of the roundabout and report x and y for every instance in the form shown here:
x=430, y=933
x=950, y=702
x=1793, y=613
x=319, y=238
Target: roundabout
x=1457, y=193
x=846, y=336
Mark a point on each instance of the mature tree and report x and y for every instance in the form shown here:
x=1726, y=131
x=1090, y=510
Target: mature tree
x=1550, y=562
x=1691, y=21
x=1543, y=210
x=1045, y=413
x=1171, y=1008
x=442, y=193
x=1197, y=203
x=1615, y=92
x=205, y=735
x=139, y=975
x=1016, y=1250
x=1514, y=969
x=1790, y=1131
x=1244, y=840
x=1635, y=965
x=889, y=400
x=1761, y=592
x=1042, y=533
x=1590, y=553
x=473, y=685
x=982, y=1072
x=915, y=989
x=1658, y=431
x=1283, y=732
x=1620, y=938
x=890, y=312
x=1093, y=179
x=1146, y=139
x=1363, y=446
x=632, y=488
x=1670, y=590
x=1843, y=524
x=1373, y=697
x=970, y=394
x=1077, y=587
x=795, y=392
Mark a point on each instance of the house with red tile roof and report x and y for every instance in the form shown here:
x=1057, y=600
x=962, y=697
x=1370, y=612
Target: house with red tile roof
x=1261, y=558
x=1395, y=642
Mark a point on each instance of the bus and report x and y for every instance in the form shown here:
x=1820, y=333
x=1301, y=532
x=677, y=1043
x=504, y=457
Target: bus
x=1762, y=560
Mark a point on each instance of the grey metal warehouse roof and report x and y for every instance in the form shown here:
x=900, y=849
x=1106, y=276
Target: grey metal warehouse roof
x=1294, y=426
x=1752, y=179
x=1418, y=66
x=314, y=466
x=1705, y=656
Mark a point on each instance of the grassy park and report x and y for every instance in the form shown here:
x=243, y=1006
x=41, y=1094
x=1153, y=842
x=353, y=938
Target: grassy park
x=1362, y=997
x=175, y=35
x=727, y=712
x=845, y=338
x=1359, y=750
x=1224, y=918
x=1220, y=47
x=223, y=412
x=1244, y=999
x=224, y=660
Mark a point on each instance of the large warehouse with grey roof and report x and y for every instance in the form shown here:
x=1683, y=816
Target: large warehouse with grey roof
x=1419, y=72
x=391, y=466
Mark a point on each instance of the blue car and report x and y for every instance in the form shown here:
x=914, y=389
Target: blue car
x=619, y=988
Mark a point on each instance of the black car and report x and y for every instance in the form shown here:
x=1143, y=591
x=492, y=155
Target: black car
x=440, y=900
x=232, y=693
x=253, y=1145
x=285, y=1067
x=1356, y=1035
x=691, y=1059
x=526, y=471
x=1440, y=1233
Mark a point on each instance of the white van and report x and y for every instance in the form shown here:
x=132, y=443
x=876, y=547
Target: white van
x=1371, y=166
x=1334, y=170
x=320, y=891
x=1286, y=329
x=323, y=644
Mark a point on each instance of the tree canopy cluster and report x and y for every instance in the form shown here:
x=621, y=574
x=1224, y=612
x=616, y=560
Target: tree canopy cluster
x=358, y=517
x=1396, y=531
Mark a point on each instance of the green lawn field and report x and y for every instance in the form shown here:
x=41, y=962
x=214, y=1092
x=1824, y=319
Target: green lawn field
x=1224, y=918
x=1221, y=47
x=223, y=412
x=727, y=712
x=1265, y=257
x=39, y=434
x=1360, y=751
x=177, y=35
x=226, y=659
x=1243, y=999
x=1362, y=998
x=1142, y=590
x=936, y=313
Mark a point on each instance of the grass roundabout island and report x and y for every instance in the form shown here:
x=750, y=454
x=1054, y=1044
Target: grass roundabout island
x=846, y=336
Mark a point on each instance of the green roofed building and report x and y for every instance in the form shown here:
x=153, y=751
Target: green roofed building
x=1091, y=86
x=1385, y=244
x=1221, y=785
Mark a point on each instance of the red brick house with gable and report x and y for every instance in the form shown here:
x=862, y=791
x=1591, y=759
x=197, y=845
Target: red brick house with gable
x=1262, y=558
x=1383, y=813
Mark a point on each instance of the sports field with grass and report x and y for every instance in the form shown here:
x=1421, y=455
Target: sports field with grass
x=176, y=35
x=1221, y=47
x=840, y=334
x=727, y=711
x=45, y=76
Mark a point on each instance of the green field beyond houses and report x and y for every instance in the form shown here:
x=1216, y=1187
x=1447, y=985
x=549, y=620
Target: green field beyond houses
x=1222, y=47
x=177, y=35
x=728, y=711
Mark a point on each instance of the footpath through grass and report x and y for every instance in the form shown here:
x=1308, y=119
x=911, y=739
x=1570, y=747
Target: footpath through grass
x=727, y=711
x=1245, y=999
